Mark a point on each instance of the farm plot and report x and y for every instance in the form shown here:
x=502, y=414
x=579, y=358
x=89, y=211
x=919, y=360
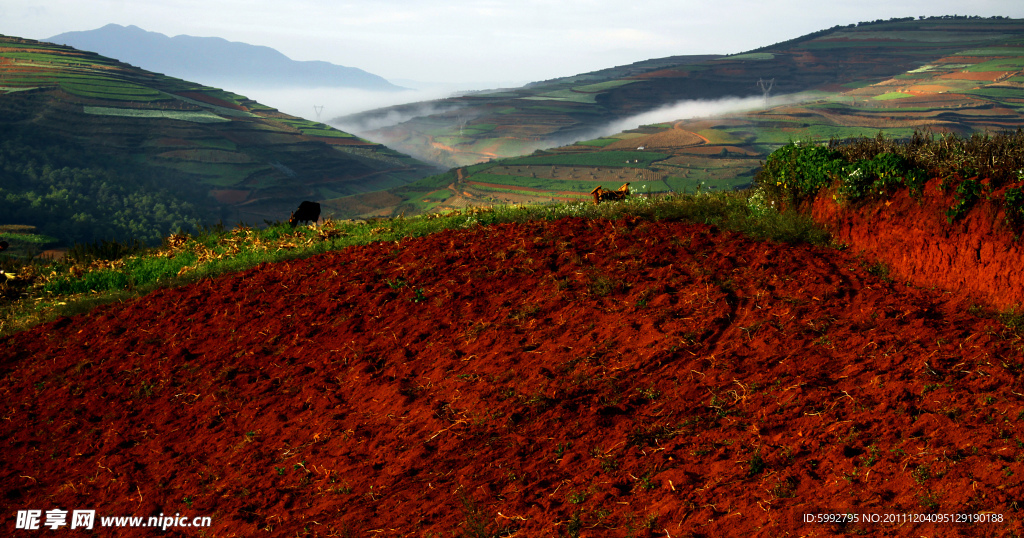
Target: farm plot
x=196, y=116
x=999, y=64
x=564, y=95
x=631, y=159
x=571, y=173
x=114, y=92
x=501, y=193
x=667, y=140
x=310, y=128
x=598, y=142
x=207, y=156
x=217, y=174
x=536, y=184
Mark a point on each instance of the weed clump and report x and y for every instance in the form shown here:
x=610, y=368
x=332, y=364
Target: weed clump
x=869, y=168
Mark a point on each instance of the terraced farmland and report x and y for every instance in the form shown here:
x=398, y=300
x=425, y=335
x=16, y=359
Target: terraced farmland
x=893, y=54
x=960, y=76
x=199, y=141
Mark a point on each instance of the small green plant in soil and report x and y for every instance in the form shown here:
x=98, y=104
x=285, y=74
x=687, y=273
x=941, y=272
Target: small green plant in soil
x=756, y=465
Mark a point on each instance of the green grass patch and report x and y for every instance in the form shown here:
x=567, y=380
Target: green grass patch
x=598, y=142
x=216, y=174
x=993, y=51
x=121, y=93
x=891, y=95
x=196, y=116
x=595, y=158
x=603, y=86
x=578, y=185
x=1003, y=64
x=328, y=133
x=481, y=127
x=716, y=136
x=750, y=56
x=997, y=93
x=27, y=238
x=564, y=95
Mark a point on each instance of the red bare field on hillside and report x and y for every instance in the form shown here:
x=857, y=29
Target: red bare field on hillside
x=976, y=257
x=981, y=76
x=567, y=378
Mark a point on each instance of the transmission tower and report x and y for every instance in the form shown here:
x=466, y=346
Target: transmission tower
x=318, y=109
x=766, y=87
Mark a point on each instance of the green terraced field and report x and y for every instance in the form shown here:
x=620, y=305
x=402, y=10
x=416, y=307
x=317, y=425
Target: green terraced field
x=200, y=116
x=1002, y=64
x=546, y=184
x=598, y=142
x=170, y=141
x=891, y=95
x=564, y=95
x=597, y=158
x=602, y=86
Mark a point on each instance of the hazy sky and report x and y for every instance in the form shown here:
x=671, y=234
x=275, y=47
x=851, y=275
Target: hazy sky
x=464, y=41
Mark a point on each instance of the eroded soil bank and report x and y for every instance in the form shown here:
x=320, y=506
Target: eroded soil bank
x=976, y=256
x=572, y=378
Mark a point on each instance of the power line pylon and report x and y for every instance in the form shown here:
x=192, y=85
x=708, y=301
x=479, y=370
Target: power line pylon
x=766, y=87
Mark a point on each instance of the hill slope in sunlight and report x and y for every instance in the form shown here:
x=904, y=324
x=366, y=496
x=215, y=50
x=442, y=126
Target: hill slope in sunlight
x=565, y=378
x=81, y=134
x=473, y=128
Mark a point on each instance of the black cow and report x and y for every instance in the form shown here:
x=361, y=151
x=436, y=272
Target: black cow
x=307, y=212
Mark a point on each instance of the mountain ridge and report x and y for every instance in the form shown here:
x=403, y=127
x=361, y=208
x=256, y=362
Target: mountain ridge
x=217, y=61
x=474, y=128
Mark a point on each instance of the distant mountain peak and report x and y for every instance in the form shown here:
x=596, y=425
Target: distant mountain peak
x=216, y=61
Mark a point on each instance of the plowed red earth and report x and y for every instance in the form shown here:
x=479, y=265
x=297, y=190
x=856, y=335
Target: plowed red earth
x=977, y=256
x=574, y=378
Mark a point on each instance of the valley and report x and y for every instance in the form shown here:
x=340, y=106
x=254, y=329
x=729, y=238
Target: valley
x=211, y=154
x=938, y=80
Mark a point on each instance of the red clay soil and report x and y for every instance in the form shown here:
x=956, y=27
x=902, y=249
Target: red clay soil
x=574, y=378
x=977, y=256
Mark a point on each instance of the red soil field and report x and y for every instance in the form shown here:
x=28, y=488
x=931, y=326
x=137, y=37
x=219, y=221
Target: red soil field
x=924, y=89
x=568, y=378
x=976, y=257
x=981, y=76
x=662, y=73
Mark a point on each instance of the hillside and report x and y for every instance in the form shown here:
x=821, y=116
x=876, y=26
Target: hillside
x=170, y=152
x=955, y=76
x=481, y=126
x=565, y=378
x=216, y=61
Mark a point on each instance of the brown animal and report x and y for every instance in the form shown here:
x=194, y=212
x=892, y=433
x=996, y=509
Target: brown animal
x=601, y=195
